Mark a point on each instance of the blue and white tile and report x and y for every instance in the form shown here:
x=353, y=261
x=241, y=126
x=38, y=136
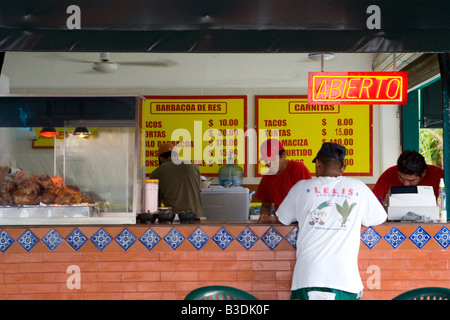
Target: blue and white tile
x=150, y=239
x=272, y=238
x=291, y=237
x=126, y=239
x=247, y=238
x=198, y=238
x=419, y=237
x=370, y=237
x=174, y=238
x=395, y=237
x=28, y=240
x=223, y=238
x=101, y=239
x=52, y=239
x=5, y=241
x=443, y=237
x=76, y=239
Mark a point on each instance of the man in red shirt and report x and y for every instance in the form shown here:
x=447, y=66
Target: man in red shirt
x=282, y=175
x=411, y=170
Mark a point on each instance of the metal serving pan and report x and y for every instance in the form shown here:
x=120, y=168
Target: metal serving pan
x=50, y=211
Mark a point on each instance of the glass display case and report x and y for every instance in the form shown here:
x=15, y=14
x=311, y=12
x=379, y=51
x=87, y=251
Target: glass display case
x=87, y=173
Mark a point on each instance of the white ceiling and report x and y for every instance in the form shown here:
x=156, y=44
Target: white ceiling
x=173, y=70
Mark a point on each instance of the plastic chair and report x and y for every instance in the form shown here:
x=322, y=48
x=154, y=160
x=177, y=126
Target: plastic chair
x=427, y=293
x=219, y=293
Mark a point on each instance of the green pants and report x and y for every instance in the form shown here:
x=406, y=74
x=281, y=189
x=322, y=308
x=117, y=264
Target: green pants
x=315, y=293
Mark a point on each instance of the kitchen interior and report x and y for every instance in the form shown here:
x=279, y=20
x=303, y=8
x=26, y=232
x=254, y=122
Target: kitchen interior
x=156, y=74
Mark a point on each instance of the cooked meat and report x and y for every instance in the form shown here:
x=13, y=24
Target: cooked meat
x=48, y=195
x=6, y=199
x=23, y=199
x=20, y=176
x=29, y=187
x=7, y=186
x=36, y=189
x=45, y=181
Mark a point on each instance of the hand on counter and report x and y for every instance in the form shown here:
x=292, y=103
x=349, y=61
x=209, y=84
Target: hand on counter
x=268, y=218
x=266, y=213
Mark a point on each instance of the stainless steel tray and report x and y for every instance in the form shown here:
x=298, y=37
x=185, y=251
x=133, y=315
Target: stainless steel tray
x=49, y=211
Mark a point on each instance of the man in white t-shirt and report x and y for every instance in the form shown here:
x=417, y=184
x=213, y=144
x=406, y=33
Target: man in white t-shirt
x=330, y=210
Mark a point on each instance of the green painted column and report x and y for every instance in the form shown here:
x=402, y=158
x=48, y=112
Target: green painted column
x=444, y=66
x=410, y=122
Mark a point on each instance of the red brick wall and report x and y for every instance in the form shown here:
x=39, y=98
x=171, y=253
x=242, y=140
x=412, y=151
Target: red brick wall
x=165, y=273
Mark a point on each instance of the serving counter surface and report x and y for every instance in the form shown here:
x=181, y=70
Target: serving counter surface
x=167, y=261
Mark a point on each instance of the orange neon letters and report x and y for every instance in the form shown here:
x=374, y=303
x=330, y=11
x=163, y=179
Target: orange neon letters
x=357, y=87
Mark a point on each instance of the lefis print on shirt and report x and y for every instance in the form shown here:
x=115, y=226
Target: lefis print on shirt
x=319, y=215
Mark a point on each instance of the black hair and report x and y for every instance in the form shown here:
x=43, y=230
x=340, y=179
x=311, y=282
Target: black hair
x=411, y=162
x=166, y=155
x=330, y=162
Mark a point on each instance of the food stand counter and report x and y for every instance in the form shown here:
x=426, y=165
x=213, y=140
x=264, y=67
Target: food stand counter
x=166, y=261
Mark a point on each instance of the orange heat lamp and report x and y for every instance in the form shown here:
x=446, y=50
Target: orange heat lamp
x=48, y=132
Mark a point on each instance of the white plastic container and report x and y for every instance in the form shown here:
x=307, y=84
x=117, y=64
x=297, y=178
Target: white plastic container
x=151, y=195
x=139, y=196
x=442, y=202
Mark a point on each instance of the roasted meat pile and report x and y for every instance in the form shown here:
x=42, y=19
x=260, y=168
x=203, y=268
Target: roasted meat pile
x=36, y=189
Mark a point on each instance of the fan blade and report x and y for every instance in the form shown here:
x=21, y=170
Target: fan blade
x=62, y=57
x=158, y=63
x=91, y=71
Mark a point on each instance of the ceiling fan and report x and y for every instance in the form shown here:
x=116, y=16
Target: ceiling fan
x=105, y=65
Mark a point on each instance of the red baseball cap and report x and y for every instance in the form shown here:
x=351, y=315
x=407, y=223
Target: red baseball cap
x=270, y=149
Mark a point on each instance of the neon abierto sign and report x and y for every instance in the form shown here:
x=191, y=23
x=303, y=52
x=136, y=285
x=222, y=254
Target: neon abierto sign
x=357, y=87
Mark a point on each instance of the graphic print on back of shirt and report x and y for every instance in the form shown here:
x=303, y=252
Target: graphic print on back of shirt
x=344, y=211
x=318, y=215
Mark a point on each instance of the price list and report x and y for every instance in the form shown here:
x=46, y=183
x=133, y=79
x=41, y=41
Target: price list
x=303, y=128
x=206, y=130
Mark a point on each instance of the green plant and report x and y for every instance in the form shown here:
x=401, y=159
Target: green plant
x=430, y=146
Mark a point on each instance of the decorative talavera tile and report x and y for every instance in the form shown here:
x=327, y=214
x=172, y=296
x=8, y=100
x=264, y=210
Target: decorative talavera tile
x=28, y=240
x=76, y=239
x=370, y=237
x=101, y=239
x=223, y=238
x=443, y=237
x=272, y=238
x=174, y=238
x=394, y=237
x=420, y=237
x=5, y=241
x=126, y=239
x=247, y=238
x=149, y=239
x=52, y=239
x=291, y=237
x=198, y=238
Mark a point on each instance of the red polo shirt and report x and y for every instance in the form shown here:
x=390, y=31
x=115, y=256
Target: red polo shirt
x=274, y=188
x=389, y=179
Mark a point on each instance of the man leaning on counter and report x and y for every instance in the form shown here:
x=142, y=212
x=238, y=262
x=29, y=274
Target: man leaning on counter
x=411, y=170
x=282, y=175
x=179, y=182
